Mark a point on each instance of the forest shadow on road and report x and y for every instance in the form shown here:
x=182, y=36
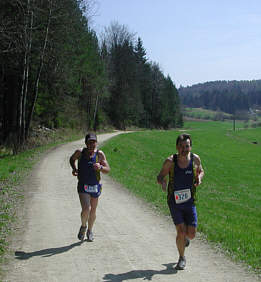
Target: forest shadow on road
x=145, y=274
x=45, y=252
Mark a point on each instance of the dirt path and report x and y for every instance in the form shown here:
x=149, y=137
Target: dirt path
x=132, y=241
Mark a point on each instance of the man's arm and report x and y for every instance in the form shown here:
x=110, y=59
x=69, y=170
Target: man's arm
x=164, y=172
x=75, y=156
x=102, y=164
x=200, y=170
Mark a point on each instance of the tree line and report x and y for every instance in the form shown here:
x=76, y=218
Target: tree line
x=55, y=72
x=226, y=96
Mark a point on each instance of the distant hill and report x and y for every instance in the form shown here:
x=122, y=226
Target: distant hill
x=226, y=96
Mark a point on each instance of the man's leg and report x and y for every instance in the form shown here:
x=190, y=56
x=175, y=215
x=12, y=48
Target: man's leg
x=178, y=219
x=92, y=217
x=85, y=204
x=180, y=239
x=191, y=222
x=191, y=232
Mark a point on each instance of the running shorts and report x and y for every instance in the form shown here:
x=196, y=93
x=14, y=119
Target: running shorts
x=183, y=213
x=82, y=189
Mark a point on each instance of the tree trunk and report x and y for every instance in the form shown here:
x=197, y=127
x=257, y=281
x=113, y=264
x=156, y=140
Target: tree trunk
x=38, y=75
x=24, y=89
x=10, y=101
x=95, y=112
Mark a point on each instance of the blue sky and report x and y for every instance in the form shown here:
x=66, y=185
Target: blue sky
x=193, y=41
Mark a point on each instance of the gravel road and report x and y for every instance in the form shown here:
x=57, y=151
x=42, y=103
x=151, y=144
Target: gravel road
x=132, y=241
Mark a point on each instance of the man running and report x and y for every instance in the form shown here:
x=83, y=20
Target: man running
x=185, y=174
x=90, y=163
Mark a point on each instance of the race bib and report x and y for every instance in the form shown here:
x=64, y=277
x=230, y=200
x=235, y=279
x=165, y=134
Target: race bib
x=182, y=196
x=91, y=188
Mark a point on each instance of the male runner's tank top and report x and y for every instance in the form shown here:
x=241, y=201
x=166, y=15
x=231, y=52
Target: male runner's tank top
x=86, y=172
x=183, y=178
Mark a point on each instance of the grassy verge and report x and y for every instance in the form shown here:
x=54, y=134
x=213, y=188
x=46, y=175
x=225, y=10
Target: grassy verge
x=229, y=197
x=13, y=169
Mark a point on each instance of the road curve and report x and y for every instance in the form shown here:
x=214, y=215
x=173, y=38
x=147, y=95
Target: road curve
x=132, y=241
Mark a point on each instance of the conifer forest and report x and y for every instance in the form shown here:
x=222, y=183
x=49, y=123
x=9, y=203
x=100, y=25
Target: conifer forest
x=57, y=72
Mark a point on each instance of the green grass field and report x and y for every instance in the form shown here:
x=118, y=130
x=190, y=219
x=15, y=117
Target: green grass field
x=246, y=120
x=229, y=199
x=201, y=113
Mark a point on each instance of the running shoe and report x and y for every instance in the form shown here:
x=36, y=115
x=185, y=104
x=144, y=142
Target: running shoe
x=82, y=233
x=181, y=263
x=187, y=242
x=90, y=235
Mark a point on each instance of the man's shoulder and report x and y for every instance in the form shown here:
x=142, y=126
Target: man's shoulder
x=171, y=158
x=77, y=153
x=100, y=153
x=196, y=158
x=195, y=155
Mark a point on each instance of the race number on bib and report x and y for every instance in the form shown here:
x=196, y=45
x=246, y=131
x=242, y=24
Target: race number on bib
x=182, y=196
x=91, y=188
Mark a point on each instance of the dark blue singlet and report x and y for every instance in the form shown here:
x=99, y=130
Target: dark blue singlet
x=184, y=179
x=87, y=175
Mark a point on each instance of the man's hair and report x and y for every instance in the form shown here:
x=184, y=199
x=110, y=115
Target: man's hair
x=183, y=137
